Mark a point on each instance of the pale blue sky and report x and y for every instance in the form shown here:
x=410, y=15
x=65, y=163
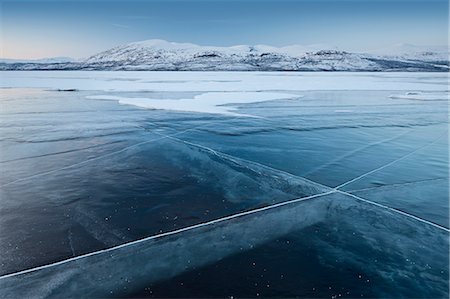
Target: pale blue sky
x=35, y=29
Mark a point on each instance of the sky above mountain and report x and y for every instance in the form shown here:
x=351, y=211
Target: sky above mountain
x=36, y=29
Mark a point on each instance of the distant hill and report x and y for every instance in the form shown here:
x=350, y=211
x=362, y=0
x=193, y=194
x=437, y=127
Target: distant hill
x=160, y=55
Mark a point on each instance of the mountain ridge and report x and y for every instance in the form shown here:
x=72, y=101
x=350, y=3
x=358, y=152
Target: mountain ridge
x=161, y=55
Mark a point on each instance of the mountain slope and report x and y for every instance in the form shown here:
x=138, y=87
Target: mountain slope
x=163, y=55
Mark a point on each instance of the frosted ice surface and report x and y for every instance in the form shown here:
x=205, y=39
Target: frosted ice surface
x=223, y=81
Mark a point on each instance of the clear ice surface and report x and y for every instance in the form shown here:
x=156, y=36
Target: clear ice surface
x=344, y=182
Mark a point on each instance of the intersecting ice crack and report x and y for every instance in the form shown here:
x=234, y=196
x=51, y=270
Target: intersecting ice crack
x=357, y=150
x=320, y=167
x=226, y=218
x=172, y=136
x=390, y=163
x=332, y=190
x=231, y=158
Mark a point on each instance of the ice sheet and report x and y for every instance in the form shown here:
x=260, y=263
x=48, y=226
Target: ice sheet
x=223, y=81
x=88, y=172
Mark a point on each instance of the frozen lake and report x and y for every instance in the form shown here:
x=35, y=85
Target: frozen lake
x=218, y=184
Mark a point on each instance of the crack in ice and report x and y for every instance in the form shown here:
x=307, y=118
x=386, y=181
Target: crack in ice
x=174, y=232
x=394, y=210
x=390, y=163
x=59, y=153
x=231, y=158
x=357, y=150
x=226, y=218
x=101, y=156
x=397, y=184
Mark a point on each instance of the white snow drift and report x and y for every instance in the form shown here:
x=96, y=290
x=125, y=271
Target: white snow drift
x=210, y=102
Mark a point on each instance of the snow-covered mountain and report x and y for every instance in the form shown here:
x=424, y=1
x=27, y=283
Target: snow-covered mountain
x=411, y=52
x=164, y=55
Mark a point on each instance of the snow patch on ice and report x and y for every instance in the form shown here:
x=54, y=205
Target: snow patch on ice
x=343, y=111
x=223, y=81
x=210, y=102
